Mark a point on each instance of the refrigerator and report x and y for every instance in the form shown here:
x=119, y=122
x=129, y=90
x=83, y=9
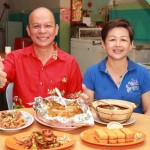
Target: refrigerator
x=87, y=52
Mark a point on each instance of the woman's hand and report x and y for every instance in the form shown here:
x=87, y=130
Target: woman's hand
x=87, y=95
x=146, y=102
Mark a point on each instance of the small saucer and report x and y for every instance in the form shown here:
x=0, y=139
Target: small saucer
x=114, y=125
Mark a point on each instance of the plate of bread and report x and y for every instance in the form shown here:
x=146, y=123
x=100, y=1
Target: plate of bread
x=113, y=137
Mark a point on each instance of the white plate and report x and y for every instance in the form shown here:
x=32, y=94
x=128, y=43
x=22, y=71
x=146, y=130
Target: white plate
x=130, y=121
x=58, y=128
x=25, y=115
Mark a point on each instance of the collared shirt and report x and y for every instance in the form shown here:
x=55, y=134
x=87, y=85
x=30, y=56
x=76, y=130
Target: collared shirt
x=134, y=83
x=32, y=79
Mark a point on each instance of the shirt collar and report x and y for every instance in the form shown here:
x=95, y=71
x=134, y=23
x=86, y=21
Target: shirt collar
x=58, y=54
x=102, y=65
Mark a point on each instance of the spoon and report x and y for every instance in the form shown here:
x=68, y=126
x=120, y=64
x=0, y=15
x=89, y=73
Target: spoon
x=61, y=98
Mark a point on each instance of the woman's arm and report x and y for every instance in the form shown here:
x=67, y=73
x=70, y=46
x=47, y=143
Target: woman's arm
x=146, y=102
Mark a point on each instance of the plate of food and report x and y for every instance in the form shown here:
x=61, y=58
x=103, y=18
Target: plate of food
x=113, y=110
x=34, y=140
x=50, y=112
x=14, y=120
x=131, y=120
x=114, y=137
x=63, y=128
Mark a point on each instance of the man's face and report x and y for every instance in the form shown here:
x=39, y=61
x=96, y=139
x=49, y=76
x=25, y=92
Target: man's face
x=42, y=28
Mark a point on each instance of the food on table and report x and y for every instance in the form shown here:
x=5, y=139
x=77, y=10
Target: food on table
x=129, y=134
x=101, y=135
x=43, y=139
x=53, y=113
x=113, y=110
x=120, y=135
x=56, y=109
x=11, y=119
x=113, y=107
x=113, y=136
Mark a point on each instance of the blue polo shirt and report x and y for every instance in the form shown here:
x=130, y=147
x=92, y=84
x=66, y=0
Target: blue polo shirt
x=134, y=83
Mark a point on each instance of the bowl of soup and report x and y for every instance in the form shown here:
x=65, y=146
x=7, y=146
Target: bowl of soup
x=113, y=110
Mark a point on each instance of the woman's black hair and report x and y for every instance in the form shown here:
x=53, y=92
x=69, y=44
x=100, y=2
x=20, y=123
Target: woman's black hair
x=118, y=22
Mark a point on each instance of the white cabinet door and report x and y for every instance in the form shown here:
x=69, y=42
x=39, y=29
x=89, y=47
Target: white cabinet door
x=87, y=54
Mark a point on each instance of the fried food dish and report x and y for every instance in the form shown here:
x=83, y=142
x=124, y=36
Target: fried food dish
x=120, y=135
x=56, y=109
x=39, y=140
x=129, y=134
x=11, y=119
x=101, y=136
x=113, y=136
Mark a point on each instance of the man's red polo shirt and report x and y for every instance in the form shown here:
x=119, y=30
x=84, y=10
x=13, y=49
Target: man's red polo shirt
x=32, y=79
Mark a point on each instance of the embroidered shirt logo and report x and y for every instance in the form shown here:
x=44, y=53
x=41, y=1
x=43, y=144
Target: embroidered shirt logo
x=64, y=80
x=132, y=85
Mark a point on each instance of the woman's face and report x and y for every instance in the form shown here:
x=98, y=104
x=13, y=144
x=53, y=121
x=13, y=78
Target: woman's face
x=42, y=28
x=117, y=43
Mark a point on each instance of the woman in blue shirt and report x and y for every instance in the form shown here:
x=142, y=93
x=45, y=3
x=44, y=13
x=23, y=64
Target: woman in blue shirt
x=117, y=76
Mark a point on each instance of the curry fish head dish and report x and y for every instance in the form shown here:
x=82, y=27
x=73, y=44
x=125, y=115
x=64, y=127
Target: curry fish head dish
x=113, y=110
x=51, y=111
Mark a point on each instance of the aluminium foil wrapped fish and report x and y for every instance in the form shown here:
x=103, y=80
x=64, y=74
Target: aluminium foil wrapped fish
x=51, y=111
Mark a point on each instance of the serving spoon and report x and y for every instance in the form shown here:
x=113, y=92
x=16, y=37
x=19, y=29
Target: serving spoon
x=61, y=98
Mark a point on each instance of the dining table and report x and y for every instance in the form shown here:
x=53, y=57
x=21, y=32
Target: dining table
x=142, y=123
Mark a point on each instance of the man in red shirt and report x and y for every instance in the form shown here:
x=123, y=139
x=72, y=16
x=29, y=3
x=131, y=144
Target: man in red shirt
x=38, y=69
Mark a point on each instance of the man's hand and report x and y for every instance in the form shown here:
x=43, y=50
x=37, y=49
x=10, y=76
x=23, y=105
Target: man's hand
x=3, y=75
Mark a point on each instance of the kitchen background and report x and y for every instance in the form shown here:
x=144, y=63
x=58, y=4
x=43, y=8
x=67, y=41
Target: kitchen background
x=80, y=23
